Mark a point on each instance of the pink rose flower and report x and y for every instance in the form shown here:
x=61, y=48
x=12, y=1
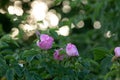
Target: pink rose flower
x=117, y=51
x=71, y=50
x=45, y=42
x=58, y=56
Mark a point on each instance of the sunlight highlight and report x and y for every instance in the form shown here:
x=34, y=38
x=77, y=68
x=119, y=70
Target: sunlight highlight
x=39, y=10
x=16, y=9
x=14, y=33
x=27, y=27
x=52, y=19
x=97, y=25
x=108, y=34
x=66, y=6
x=80, y=24
x=43, y=26
x=72, y=26
x=2, y=11
x=66, y=2
x=64, y=30
x=85, y=2
x=11, y=9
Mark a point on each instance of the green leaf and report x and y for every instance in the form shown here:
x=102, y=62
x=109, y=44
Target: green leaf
x=10, y=74
x=7, y=51
x=110, y=74
x=27, y=75
x=3, y=44
x=99, y=53
x=32, y=76
x=29, y=54
x=8, y=39
x=9, y=57
x=106, y=64
x=18, y=70
x=2, y=61
x=35, y=76
x=53, y=33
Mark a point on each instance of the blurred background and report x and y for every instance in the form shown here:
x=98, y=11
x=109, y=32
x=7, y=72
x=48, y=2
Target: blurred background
x=87, y=23
x=92, y=25
x=95, y=20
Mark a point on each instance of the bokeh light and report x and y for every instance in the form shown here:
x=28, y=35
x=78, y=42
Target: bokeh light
x=16, y=8
x=66, y=8
x=80, y=24
x=43, y=26
x=52, y=19
x=64, y=30
x=2, y=11
x=14, y=33
x=97, y=25
x=11, y=9
x=85, y=2
x=72, y=26
x=39, y=10
x=66, y=2
x=28, y=27
x=108, y=34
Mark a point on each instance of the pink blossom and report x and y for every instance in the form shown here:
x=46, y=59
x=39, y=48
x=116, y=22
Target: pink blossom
x=58, y=56
x=45, y=42
x=71, y=50
x=117, y=51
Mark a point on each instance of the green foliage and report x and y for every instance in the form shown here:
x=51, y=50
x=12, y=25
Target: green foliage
x=22, y=59
x=10, y=74
x=99, y=53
